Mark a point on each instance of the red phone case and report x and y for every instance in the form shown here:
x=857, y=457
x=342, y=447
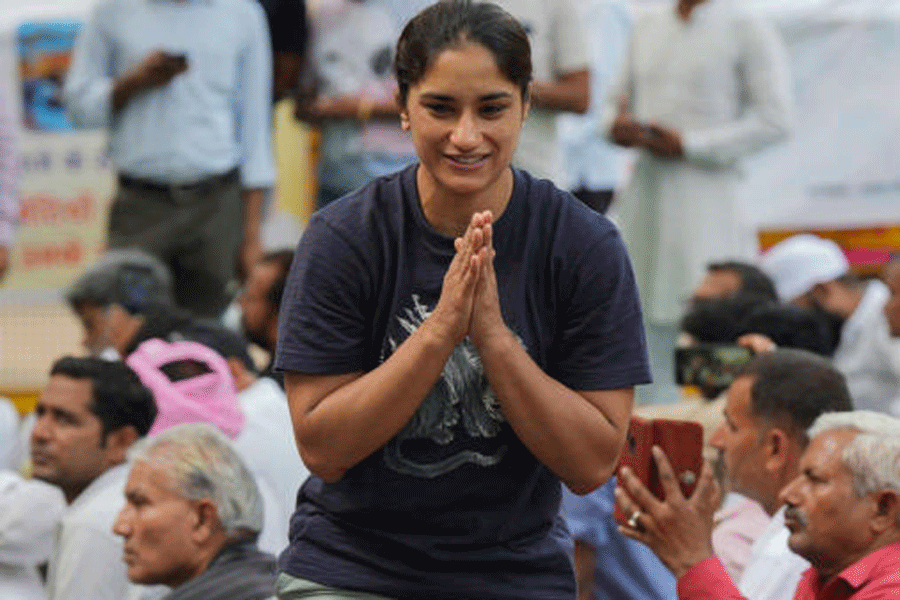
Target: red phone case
x=682, y=442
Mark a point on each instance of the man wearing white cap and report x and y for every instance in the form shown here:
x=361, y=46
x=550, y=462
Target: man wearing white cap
x=811, y=271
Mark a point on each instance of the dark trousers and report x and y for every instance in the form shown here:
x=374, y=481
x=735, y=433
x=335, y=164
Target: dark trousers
x=195, y=229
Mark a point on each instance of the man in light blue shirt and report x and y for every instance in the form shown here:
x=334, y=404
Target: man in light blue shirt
x=184, y=87
x=591, y=164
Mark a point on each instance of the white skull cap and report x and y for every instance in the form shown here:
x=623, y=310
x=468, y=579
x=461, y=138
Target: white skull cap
x=802, y=261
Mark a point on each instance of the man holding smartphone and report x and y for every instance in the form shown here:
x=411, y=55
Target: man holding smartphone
x=185, y=90
x=769, y=407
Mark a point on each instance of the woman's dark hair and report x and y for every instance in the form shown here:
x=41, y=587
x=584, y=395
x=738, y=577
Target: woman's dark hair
x=449, y=23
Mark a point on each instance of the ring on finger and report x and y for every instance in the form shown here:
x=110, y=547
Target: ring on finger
x=633, y=519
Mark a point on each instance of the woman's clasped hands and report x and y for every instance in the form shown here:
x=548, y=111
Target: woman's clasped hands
x=469, y=304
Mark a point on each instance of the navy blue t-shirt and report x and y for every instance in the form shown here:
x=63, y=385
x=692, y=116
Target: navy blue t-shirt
x=455, y=506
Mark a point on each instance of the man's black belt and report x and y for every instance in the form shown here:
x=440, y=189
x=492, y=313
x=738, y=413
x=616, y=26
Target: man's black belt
x=136, y=183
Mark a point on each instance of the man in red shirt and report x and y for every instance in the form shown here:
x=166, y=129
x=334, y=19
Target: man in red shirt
x=843, y=512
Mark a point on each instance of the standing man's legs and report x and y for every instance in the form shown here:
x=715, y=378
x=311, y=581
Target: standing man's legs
x=196, y=230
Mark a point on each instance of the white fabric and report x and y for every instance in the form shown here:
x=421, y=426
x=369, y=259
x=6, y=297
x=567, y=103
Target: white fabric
x=558, y=47
x=893, y=349
x=87, y=556
x=802, y=261
x=268, y=447
x=29, y=514
x=864, y=352
x=773, y=571
x=721, y=81
x=9, y=435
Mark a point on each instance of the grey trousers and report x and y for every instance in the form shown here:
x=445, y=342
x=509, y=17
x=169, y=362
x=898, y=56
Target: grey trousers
x=195, y=229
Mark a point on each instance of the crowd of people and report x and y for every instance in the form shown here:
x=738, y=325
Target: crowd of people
x=429, y=396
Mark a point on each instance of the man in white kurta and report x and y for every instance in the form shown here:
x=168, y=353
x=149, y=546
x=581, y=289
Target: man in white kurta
x=704, y=85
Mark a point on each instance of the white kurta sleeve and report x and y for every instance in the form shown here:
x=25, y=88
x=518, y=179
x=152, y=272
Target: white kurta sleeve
x=767, y=108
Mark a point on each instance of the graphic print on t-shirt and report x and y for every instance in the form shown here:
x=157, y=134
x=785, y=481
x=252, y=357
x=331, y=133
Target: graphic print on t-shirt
x=461, y=396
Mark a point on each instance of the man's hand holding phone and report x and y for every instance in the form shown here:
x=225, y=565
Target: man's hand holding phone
x=156, y=69
x=677, y=528
x=159, y=68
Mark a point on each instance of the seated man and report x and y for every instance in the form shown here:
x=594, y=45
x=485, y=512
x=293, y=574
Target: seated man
x=89, y=414
x=770, y=405
x=260, y=303
x=843, y=515
x=812, y=271
x=126, y=297
x=191, y=517
x=193, y=384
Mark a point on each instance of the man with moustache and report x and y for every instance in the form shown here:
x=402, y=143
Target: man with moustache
x=191, y=517
x=770, y=405
x=842, y=513
x=88, y=415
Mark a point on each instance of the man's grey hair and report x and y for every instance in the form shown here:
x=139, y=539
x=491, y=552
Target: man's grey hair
x=873, y=456
x=131, y=278
x=202, y=464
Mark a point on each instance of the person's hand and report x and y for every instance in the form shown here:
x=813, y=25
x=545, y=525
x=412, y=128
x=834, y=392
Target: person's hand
x=249, y=252
x=663, y=141
x=677, y=529
x=316, y=110
x=757, y=342
x=4, y=262
x=305, y=110
x=157, y=68
x=626, y=131
x=453, y=312
x=487, y=319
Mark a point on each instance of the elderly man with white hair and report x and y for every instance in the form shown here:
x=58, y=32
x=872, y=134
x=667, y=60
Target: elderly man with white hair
x=813, y=272
x=191, y=518
x=843, y=515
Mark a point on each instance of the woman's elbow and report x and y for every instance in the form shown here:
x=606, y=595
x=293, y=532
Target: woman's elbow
x=587, y=482
x=319, y=465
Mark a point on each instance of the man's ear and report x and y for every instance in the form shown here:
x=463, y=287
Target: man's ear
x=243, y=378
x=206, y=520
x=404, y=119
x=887, y=505
x=118, y=442
x=779, y=449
